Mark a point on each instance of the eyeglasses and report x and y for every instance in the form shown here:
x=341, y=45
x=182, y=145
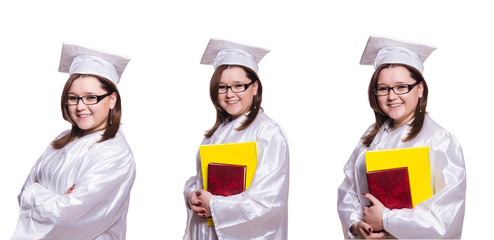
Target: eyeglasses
x=398, y=89
x=236, y=88
x=88, y=100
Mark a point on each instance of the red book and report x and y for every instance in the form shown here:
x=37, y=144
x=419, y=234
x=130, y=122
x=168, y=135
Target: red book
x=391, y=187
x=226, y=179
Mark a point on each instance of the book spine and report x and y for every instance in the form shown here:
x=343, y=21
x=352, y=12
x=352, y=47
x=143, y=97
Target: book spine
x=433, y=182
x=255, y=151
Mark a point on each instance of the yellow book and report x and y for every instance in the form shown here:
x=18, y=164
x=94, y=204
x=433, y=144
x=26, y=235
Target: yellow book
x=244, y=153
x=416, y=159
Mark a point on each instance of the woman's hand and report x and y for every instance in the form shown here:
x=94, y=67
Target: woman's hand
x=70, y=190
x=365, y=231
x=373, y=215
x=199, y=202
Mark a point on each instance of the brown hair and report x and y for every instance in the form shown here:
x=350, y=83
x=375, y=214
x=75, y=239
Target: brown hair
x=113, y=117
x=221, y=115
x=381, y=117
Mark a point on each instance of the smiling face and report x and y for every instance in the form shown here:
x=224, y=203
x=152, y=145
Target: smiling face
x=400, y=108
x=90, y=118
x=236, y=104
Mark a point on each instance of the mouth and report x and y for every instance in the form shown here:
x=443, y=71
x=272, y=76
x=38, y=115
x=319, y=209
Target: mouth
x=232, y=102
x=395, y=105
x=84, y=115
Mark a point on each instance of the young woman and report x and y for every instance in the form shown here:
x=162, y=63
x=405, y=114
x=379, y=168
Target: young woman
x=260, y=212
x=79, y=188
x=398, y=95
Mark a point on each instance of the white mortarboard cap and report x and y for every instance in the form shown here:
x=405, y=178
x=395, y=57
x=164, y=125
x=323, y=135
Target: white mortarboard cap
x=77, y=59
x=380, y=50
x=221, y=52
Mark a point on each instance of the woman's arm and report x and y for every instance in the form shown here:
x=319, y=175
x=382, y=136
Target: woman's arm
x=98, y=201
x=192, y=189
x=349, y=205
x=440, y=216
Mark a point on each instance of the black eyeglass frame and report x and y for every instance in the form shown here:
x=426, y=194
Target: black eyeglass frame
x=410, y=87
x=230, y=87
x=98, y=99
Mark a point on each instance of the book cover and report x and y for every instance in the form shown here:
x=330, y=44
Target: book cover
x=391, y=187
x=226, y=179
x=419, y=170
x=244, y=153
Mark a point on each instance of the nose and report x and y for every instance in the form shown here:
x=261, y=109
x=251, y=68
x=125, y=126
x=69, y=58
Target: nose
x=392, y=95
x=80, y=105
x=229, y=93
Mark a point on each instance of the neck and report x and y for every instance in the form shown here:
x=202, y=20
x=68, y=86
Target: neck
x=393, y=125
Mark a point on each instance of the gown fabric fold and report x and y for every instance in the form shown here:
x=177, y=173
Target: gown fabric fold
x=260, y=212
x=97, y=208
x=439, y=217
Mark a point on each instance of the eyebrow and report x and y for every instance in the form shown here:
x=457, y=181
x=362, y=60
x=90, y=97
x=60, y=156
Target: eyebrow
x=234, y=82
x=395, y=84
x=84, y=94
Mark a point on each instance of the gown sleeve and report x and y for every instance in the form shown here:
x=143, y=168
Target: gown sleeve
x=349, y=207
x=98, y=201
x=192, y=184
x=440, y=216
x=261, y=210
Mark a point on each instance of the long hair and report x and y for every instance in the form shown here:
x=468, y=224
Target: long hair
x=221, y=115
x=381, y=117
x=114, y=116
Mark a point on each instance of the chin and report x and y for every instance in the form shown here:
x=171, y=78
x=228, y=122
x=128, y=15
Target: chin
x=395, y=115
x=233, y=112
x=90, y=127
x=84, y=127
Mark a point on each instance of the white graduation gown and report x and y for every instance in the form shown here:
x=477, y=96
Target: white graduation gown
x=440, y=216
x=97, y=208
x=260, y=212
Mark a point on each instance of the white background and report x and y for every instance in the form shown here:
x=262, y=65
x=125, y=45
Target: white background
x=313, y=87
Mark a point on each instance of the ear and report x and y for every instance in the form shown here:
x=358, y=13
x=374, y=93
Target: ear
x=255, y=85
x=421, y=89
x=113, y=100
